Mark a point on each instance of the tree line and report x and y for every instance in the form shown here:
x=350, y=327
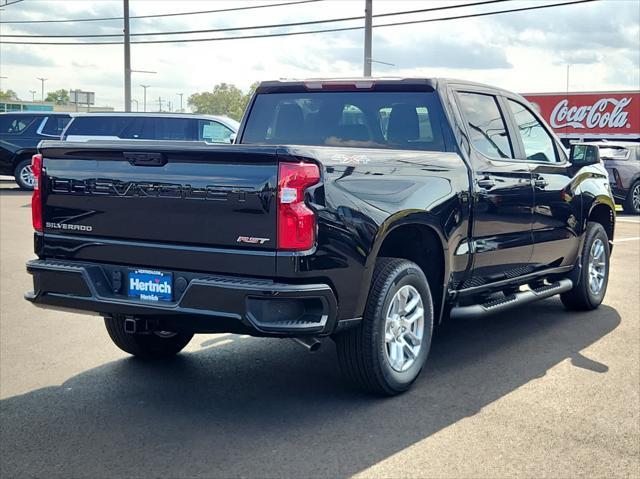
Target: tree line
x=224, y=99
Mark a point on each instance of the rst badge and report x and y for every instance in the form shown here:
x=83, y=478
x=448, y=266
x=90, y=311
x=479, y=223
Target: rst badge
x=251, y=240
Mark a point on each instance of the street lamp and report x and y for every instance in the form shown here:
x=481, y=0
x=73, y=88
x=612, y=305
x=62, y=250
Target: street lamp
x=137, y=105
x=180, y=95
x=42, y=80
x=33, y=95
x=145, y=96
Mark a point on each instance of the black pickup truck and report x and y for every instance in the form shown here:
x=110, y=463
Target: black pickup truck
x=368, y=211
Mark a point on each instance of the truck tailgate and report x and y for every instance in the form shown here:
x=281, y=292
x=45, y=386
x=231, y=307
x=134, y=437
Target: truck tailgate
x=150, y=194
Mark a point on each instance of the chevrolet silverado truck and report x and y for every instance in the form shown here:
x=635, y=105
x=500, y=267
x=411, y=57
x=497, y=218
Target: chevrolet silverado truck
x=365, y=211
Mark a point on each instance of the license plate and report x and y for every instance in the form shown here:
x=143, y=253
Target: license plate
x=150, y=285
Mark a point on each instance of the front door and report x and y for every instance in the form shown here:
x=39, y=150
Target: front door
x=555, y=226
x=503, y=195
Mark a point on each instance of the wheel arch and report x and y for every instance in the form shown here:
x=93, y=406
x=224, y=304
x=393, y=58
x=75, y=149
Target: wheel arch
x=603, y=212
x=415, y=237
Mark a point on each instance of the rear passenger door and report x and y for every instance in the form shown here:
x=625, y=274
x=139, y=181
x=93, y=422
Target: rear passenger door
x=555, y=222
x=502, y=192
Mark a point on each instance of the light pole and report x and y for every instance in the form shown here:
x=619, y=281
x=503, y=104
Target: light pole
x=33, y=95
x=137, y=105
x=42, y=80
x=180, y=95
x=368, y=11
x=144, y=101
x=127, y=58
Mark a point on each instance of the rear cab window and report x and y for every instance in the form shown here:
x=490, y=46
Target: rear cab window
x=358, y=119
x=15, y=124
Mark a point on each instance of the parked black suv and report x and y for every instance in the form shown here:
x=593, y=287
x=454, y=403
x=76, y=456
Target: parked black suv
x=151, y=126
x=367, y=211
x=20, y=134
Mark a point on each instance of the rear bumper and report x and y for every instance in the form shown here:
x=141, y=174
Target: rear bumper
x=202, y=303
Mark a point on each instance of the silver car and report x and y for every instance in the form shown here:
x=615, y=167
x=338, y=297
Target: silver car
x=622, y=161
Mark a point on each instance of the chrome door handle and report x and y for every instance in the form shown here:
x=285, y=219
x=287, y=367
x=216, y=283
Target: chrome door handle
x=486, y=183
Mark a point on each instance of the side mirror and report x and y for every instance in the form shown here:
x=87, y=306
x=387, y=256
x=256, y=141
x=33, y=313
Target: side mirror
x=583, y=155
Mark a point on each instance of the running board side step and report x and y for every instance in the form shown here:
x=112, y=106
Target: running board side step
x=516, y=299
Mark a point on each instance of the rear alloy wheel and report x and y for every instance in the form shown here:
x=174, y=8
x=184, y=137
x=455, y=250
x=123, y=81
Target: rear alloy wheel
x=385, y=353
x=24, y=175
x=150, y=345
x=632, y=202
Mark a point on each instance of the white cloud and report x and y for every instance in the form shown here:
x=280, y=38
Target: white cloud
x=522, y=52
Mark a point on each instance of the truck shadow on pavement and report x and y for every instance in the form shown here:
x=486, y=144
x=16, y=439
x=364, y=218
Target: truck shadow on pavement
x=266, y=408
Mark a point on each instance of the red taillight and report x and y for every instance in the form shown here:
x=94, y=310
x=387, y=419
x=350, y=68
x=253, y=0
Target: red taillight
x=296, y=222
x=36, y=199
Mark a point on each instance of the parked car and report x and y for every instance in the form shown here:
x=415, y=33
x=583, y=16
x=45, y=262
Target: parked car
x=20, y=133
x=622, y=161
x=151, y=126
x=368, y=211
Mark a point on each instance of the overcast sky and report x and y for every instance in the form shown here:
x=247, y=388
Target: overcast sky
x=524, y=52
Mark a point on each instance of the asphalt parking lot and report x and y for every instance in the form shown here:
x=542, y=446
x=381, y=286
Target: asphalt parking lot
x=536, y=392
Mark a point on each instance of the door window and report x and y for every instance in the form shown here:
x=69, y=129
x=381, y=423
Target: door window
x=55, y=125
x=15, y=124
x=486, y=125
x=538, y=143
x=213, y=132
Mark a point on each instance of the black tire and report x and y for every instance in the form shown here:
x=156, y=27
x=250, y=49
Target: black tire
x=362, y=351
x=18, y=174
x=582, y=297
x=631, y=203
x=148, y=345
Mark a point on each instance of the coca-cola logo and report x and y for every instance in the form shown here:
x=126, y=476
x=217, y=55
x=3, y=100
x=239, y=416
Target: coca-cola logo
x=597, y=115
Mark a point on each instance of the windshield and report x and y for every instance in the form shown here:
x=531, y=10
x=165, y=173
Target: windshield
x=401, y=120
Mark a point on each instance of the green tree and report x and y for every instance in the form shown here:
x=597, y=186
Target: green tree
x=59, y=97
x=8, y=95
x=225, y=99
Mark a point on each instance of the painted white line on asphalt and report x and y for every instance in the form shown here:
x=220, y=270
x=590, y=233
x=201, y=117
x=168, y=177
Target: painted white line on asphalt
x=636, y=238
x=625, y=220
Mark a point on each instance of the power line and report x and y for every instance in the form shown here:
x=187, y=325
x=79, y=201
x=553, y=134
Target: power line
x=200, y=12
x=258, y=27
x=328, y=30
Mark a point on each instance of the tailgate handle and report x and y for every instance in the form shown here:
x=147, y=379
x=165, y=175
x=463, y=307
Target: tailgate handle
x=145, y=159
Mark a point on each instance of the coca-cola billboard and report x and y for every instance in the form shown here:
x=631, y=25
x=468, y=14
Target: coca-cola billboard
x=590, y=115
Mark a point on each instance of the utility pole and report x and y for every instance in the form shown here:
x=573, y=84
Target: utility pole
x=127, y=58
x=180, y=95
x=42, y=80
x=33, y=95
x=368, y=27
x=160, y=102
x=145, y=96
